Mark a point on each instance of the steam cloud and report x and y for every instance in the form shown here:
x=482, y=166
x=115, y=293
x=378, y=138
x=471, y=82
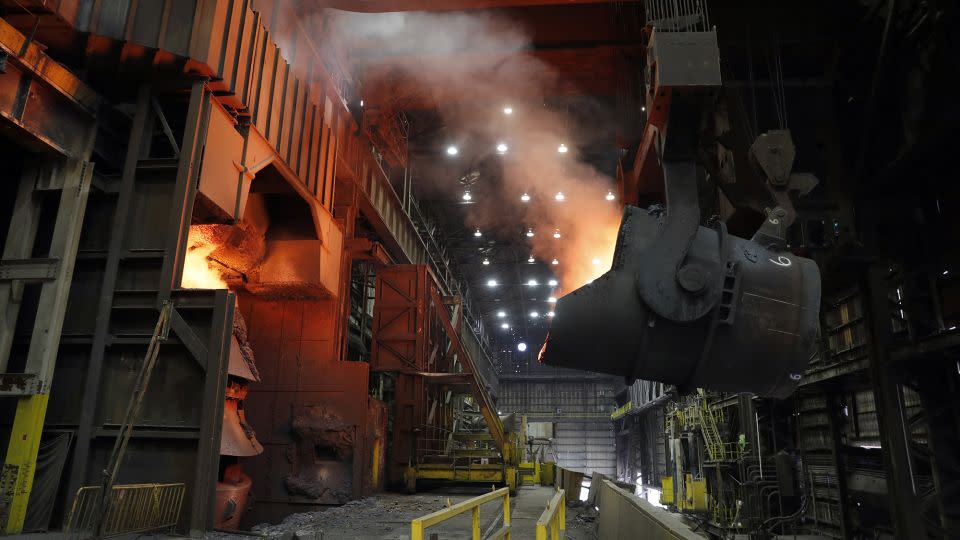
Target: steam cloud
x=473, y=65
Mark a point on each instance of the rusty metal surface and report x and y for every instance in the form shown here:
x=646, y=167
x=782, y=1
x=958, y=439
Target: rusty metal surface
x=237, y=437
x=42, y=100
x=310, y=410
x=416, y=340
x=233, y=497
x=399, y=334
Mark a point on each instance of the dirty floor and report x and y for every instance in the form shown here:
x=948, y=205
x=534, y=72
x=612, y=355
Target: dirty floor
x=387, y=517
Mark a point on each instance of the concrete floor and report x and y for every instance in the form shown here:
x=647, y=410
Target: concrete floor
x=387, y=517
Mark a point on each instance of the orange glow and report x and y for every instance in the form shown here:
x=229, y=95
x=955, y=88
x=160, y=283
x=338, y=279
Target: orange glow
x=198, y=271
x=592, y=255
x=589, y=224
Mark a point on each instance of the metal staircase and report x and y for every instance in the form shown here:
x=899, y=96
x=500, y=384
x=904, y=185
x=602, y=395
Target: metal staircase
x=711, y=435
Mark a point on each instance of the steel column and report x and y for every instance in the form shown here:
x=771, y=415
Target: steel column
x=16, y=480
x=102, y=324
x=208, y=451
x=904, y=507
x=20, y=238
x=185, y=190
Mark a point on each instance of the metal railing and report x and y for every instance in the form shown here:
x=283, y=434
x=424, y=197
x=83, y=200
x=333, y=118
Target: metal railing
x=678, y=15
x=134, y=508
x=419, y=525
x=553, y=521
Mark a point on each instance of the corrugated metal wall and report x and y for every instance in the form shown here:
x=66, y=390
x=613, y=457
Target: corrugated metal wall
x=583, y=436
x=586, y=446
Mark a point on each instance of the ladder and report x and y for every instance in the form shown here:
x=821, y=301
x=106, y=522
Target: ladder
x=704, y=416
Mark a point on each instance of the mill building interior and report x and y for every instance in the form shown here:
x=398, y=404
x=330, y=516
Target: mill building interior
x=390, y=269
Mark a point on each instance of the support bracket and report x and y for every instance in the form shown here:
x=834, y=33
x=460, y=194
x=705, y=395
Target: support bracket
x=30, y=270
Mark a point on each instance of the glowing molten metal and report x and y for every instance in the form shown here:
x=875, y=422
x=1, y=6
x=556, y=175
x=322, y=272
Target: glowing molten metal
x=198, y=271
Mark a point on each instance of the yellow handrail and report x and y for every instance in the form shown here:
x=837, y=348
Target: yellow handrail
x=621, y=410
x=418, y=525
x=553, y=518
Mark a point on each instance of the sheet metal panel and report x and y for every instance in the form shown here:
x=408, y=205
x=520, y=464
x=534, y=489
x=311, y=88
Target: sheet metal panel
x=285, y=128
x=250, y=62
x=268, y=84
x=399, y=339
x=278, y=102
x=304, y=389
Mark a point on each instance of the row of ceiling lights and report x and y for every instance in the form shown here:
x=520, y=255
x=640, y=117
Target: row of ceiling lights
x=559, y=197
x=501, y=148
x=532, y=282
x=486, y=262
x=556, y=234
x=531, y=260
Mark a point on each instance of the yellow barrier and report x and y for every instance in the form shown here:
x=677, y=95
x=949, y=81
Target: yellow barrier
x=418, y=525
x=621, y=410
x=135, y=508
x=554, y=518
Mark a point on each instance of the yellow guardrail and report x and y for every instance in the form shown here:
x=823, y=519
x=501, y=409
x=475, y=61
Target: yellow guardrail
x=133, y=508
x=621, y=410
x=420, y=524
x=553, y=521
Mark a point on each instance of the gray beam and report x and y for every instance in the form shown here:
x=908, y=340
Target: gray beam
x=29, y=270
x=904, y=504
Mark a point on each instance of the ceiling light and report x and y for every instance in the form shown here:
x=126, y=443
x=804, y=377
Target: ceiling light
x=361, y=103
x=595, y=261
x=643, y=108
x=552, y=283
x=554, y=261
x=531, y=259
x=552, y=300
x=452, y=150
x=467, y=196
x=491, y=283
x=946, y=272
x=486, y=262
x=534, y=314
x=521, y=346
x=501, y=314
x=562, y=148
x=611, y=196
x=502, y=148
x=525, y=197
x=505, y=326
x=477, y=233
x=508, y=110
x=532, y=283
x=559, y=196
x=556, y=234
x=550, y=314
x=529, y=233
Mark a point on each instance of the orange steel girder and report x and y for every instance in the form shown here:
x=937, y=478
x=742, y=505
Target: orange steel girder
x=416, y=337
